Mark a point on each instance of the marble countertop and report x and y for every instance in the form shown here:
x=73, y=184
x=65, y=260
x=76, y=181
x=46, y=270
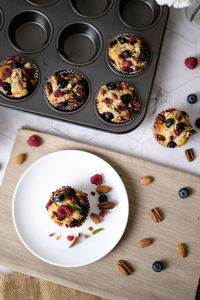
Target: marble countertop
x=172, y=84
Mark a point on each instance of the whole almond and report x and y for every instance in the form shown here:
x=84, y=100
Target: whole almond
x=144, y=243
x=180, y=249
x=198, y=219
x=95, y=218
x=19, y=159
x=103, y=189
x=146, y=180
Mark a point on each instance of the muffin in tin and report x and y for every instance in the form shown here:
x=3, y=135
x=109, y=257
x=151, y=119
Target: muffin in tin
x=117, y=102
x=68, y=207
x=172, y=128
x=66, y=91
x=18, y=77
x=128, y=54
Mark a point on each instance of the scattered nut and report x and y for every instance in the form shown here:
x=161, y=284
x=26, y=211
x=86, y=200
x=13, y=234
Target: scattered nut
x=180, y=249
x=57, y=237
x=19, y=159
x=144, y=243
x=189, y=154
x=124, y=268
x=106, y=205
x=90, y=228
x=74, y=240
x=155, y=215
x=146, y=180
x=86, y=236
x=95, y=218
x=103, y=189
x=198, y=219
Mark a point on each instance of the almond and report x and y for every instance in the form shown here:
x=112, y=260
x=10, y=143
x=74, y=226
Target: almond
x=198, y=219
x=103, y=189
x=180, y=249
x=19, y=159
x=95, y=218
x=144, y=243
x=146, y=180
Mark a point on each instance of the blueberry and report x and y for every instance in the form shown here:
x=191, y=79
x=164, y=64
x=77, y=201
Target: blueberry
x=6, y=86
x=198, y=123
x=29, y=86
x=16, y=65
x=70, y=192
x=108, y=116
x=126, y=98
x=111, y=86
x=142, y=56
x=192, y=98
x=171, y=144
x=169, y=122
x=84, y=210
x=126, y=54
x=122, y=40
x=62, y=83
x=183, y=193
x=58, y=197
x=103, y=198
x=157, y=266
x=62, y=105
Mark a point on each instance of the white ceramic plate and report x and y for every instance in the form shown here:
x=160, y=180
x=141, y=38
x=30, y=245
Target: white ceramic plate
x=68, y=167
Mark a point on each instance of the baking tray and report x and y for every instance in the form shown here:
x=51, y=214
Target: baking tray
x=45, y=30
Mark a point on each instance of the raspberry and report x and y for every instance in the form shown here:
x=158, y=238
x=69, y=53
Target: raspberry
x=92, y=193
x=191, y=62
x=71, y=75
x=74, y=200
x=70, y=238
x=96, y=179
x=26, y=73
x=48, y=205
x=177, y=132
x=64, y=211
x=58, y=94
x=33, y=141
x=8, y=72
x=51, y=234
x=171, y=109
x=126, y=64
x=102, y=213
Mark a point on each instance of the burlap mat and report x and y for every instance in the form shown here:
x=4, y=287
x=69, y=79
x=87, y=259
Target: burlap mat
x=179, y=279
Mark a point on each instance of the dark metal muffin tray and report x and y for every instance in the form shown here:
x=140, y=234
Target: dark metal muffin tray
x=74, y=35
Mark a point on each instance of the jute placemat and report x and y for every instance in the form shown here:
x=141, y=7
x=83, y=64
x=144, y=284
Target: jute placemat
x=179, y=279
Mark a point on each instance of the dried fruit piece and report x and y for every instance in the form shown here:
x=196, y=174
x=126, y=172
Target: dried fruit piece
x=90, y=228
x=19, y=159
x=86, y=236
x=106, y=205
x=189, y=154
x=146, y=180
x=97, y=230
x=51, y=234
x=48, y=205
x=124, y=268
x=102, y=213
x=180, y=249
x=33, y=141
x=92, y=193
x=95, y=218
x=74, y=240
x=155, y=215
x=64, y=211
x=96, y=179
x=103, y=189
x=70, y=238
x=145, y=242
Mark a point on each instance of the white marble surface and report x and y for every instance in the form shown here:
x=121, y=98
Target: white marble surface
x=173, y=83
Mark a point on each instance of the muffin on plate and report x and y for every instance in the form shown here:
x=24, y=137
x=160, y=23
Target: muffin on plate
x=18, y=77
x=68, y=207
x=128, y=54
x=117, y=102
x=66, y=91
x=172, y=128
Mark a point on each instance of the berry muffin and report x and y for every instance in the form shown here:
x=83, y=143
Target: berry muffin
x=128, y=54
x=117, y=102
x=172, y=128
x=18, y=77
x=66, y=91
x=68, y=207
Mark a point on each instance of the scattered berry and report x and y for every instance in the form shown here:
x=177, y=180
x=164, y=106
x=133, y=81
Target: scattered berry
x=51, y=234
x=64, y=211
x=157, y=266
x=126, y=63
x=126, y=98
x=58, y=197
x=108, y=116
x=16, y=65
x=169, y=122
x=92, y=193
x=123, y=40
x=192, y=98
x=62, y=83
x=70, y=192
x=84, y=210
x=70, y=238
x=33, y=141
x=6, y=86
x=58, y=94
x=48, y=205
x=184, y=193
x=103, y=198
x=126, y=54
x=96, y=179
x=102, y=213
x=191, y=62
x=198, y=123
x=171, y=144
x=111, y=86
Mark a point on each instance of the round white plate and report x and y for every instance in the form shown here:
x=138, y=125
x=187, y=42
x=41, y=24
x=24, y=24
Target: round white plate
x=30, y=217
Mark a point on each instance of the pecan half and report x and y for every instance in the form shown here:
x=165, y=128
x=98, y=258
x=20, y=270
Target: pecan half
x=192, y=132
x=160, y=137
x=160, y=119
x=189, y=154
x=49, y=88
x=113, y=43
x=180, y=126
x=106, y=205
x=124, y=268
x=155, y=215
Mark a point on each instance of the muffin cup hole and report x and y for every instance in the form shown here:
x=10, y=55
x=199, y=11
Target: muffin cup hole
x=30, y=31
x=79, y=43
x=139, y=14
x=42, y=2
x=1, y=18
x=91, y=8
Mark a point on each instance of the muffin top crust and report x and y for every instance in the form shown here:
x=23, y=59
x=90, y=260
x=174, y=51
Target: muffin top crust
x=172, y=128
x=18, y=77
x=117, y=102
x=128, y=54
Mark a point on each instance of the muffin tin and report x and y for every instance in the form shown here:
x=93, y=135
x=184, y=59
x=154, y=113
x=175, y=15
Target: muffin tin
x=74, y=35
